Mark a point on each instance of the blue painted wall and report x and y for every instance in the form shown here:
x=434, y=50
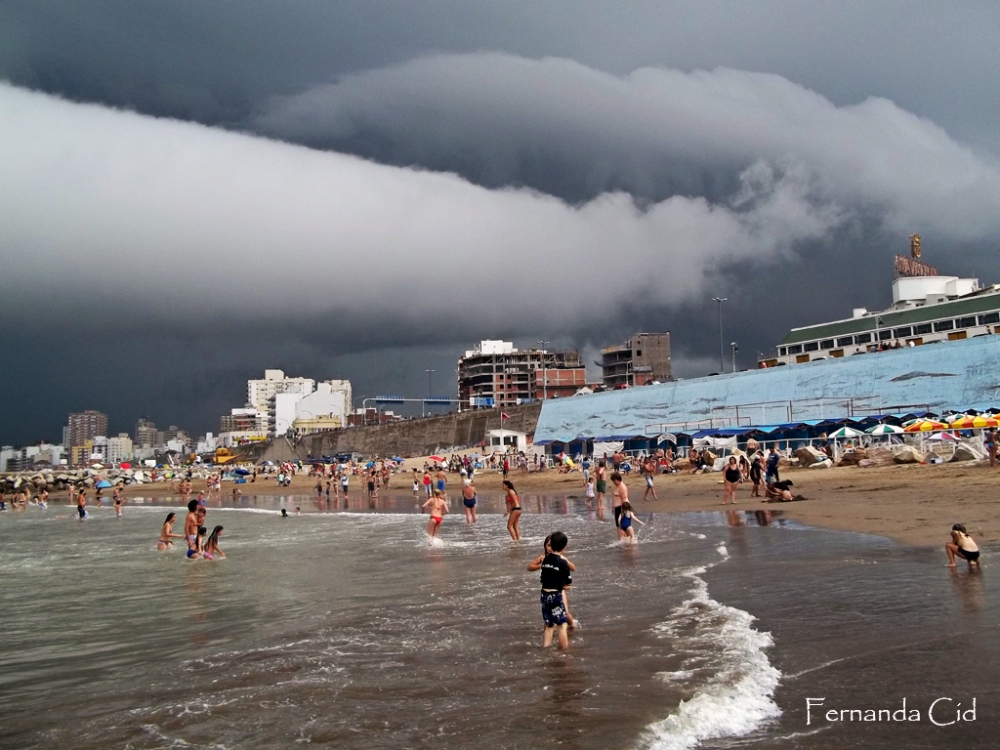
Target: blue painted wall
x=954, y=374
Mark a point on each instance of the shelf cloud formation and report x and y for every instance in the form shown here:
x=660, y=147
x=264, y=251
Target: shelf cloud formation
x=343, y=191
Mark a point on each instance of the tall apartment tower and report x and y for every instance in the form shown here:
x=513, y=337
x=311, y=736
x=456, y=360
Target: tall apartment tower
x=645, y=357
x=86, y=425
x=497, y=374
x=145, y=433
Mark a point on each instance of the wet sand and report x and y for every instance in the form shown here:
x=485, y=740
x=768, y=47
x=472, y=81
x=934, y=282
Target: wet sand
x=912, y=504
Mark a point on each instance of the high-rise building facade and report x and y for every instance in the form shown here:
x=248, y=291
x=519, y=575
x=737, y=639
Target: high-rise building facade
x=497, y=374
x=86, y=425
x=645, y=357
x=261, y=393
x=145, y=433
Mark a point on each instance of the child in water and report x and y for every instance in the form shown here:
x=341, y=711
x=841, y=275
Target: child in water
x=961, y=544
x=212, y=550
x=556, y=577
x=627, y=519
x=438, y=509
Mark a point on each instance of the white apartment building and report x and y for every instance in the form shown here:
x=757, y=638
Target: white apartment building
x=119, y=448
x=261, y=393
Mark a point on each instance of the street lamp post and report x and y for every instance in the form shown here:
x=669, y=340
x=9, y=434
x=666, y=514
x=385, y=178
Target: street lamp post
x=545, y=377
x=735, y=349
x=722, y=346
x=430, y=389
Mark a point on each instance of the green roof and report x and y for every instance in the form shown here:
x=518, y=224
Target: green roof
x=924, y=314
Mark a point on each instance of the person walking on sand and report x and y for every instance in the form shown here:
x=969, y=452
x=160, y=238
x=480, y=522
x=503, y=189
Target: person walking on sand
x=628, y=518
x=961, y=544
x=731, y=477
x=556, y=577
x=469, y=501
x=772, y=474
x=513, y=512
x=602, y=482
x=619, y=495
x=755, y=475
x=649, y=470
x=438, y=507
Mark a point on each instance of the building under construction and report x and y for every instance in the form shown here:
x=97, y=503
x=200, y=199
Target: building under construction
x=495, y=374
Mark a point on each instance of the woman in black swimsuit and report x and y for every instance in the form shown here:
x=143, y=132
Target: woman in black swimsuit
x=732, y=475
x=513, y=510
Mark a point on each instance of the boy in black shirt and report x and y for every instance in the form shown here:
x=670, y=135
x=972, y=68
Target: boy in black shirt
x=556, y=576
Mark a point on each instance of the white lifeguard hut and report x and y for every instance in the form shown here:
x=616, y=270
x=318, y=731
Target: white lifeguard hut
x=507, y=440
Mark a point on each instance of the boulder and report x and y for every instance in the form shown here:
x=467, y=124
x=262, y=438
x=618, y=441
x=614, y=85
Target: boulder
x=853, y=457
x=865, y=463
x=808, y=455
x=964, y=453
x=827, y=464
x=907, y=454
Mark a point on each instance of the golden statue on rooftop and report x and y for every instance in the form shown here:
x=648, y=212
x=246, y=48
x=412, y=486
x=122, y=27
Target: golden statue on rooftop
x=915, y=245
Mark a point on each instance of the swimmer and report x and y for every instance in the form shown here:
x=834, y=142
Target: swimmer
x=236, y=493
x=81, y=504
x=3, y=499
x=626, y=521
x=167, y=534
x=284, y=513
x=191, y=525
x=195, y=551
x=298, y=511
x=513, y=512
x=619, y=496
x=961, y=544
x=438, y=508
x=556, y=577
x=118, y=506
x=469, y=501
x=212, y=549
x=43, y=500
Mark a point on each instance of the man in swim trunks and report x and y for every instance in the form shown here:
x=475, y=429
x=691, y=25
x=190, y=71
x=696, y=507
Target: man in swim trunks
x=442, y=478
x=191, y=526
x=649, y=471
x=469, y=501
x=81, y=503
x=438, y=507
x=618, y=496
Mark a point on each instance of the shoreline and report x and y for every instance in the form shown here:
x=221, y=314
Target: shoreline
x=911, y=504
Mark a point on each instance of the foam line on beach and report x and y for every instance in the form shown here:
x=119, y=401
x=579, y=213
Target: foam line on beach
x=738, y=698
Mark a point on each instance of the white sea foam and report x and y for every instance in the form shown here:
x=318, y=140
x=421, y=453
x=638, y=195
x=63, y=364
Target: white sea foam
x=737, y=698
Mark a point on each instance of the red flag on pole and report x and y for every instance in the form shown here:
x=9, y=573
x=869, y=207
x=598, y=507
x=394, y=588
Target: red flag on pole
x=504, y=416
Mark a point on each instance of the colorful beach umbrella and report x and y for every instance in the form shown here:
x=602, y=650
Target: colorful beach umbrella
x=926, y=425
x=972, y=423
x=884, y=429
x=845, y=432
x=439, y=459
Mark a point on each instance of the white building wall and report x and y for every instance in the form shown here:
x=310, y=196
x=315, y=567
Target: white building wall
x=119, y=448
x=285, y=411
x=324, y=401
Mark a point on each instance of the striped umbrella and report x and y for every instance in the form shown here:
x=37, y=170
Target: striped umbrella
x=926, y=425
x=845, y=432
x=972, y=423
x=884, y=429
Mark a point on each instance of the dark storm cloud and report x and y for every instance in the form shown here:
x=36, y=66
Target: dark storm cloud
x=631, y=178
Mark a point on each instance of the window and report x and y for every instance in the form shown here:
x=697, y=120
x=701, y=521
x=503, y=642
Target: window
x=795, y=349
x=923, y=328
x=638, y=352
x=812, y=346
x=902, y=333
x=884, y=334
x=863, y=338
x=966, y=322
x=944, y=325
x=845, y=341
x=782, y=351
x=828, y=344
x=989, y=318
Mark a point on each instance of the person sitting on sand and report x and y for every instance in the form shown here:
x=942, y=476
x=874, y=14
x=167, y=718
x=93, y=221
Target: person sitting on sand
x=438, y=508
x=167, y=534
x=961, y=544
x=778, y=492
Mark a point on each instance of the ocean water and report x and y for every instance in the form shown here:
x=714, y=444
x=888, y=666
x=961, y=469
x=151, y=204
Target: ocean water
x=350, y=629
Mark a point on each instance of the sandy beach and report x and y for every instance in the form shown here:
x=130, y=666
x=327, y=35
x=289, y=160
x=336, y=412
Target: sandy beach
x=912, y=504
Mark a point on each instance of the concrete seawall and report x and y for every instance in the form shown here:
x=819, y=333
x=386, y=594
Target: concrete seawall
x=415, y=437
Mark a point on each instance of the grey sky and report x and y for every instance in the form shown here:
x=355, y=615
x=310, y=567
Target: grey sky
x=567, y=171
